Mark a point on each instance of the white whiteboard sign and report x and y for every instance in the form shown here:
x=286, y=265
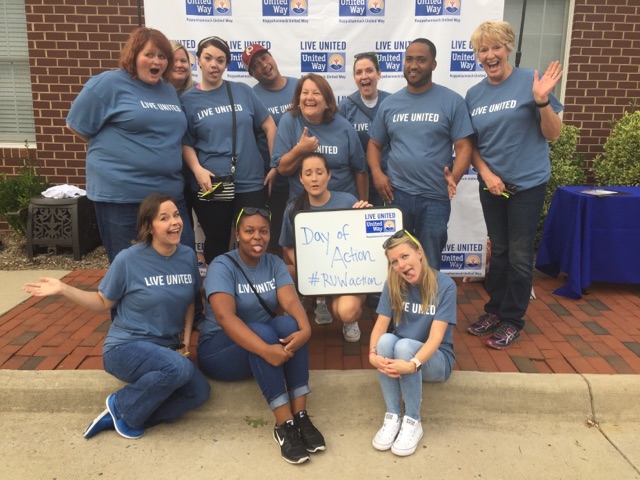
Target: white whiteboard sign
x=339, y=252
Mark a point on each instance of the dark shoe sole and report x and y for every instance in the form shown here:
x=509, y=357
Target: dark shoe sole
x=498, y=347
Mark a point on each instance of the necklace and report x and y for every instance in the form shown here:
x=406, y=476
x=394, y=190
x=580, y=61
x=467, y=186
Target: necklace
x=251, y=270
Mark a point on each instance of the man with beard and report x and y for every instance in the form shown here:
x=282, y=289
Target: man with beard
x=421, y=123
x=276, y=92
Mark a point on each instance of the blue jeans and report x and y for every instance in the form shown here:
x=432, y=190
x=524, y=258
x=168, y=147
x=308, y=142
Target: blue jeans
x=427, y=219
x=408, y=387
x=117, y=226
x=162, y=385
x=221, y=358
x=511, y=224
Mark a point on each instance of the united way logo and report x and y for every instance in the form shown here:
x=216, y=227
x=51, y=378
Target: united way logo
x=209, y=8
x=322, y=62
x=462, y=57
x=361, y=8
x=284, y=8
x=436, y=8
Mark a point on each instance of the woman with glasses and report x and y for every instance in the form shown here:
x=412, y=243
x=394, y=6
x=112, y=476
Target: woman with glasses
x=242, y=336
x=514, y=115
x=419, y=303
x=314, y=175
x=311, y=125
x=361, y=106
x=152, y=286
x=220, y=145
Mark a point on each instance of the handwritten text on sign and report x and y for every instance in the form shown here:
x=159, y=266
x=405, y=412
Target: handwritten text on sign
x=340, y=251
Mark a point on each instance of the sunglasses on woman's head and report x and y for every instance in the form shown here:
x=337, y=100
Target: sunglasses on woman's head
x=399, y=234
x=373, y=56
x=252, y=211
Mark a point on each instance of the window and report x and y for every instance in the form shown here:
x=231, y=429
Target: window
x=16, y=104
x=544, y=34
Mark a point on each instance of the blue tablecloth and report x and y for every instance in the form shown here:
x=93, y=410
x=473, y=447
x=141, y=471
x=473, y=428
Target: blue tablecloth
x=591, y=238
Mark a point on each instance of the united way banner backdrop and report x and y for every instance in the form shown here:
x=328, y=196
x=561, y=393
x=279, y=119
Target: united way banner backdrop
x=322, y=36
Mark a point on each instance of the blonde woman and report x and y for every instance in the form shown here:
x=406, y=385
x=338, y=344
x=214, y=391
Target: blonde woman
x=421, y=303
x=181, y=68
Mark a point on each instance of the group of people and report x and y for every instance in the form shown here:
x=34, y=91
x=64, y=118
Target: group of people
x=287, y=143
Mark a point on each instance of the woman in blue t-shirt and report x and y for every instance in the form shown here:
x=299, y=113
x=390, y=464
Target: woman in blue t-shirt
x=514, y=116
x=152, y=285
x=421, y=302
x=242, y=336
x=133, y=124
x=361, y=106
x=222, y=118
x=314, y=175
x=312, y=125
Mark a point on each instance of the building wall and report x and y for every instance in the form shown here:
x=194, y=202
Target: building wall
x=603, y=72
x=73, y=40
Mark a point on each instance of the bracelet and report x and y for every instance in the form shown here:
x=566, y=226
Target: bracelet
x=373, y=351
x=542, y=105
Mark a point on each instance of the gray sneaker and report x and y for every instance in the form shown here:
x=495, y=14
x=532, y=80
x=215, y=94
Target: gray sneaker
x=323, y=315
x=351, y=332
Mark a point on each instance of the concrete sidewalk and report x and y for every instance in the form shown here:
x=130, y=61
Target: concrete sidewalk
x=477, y=425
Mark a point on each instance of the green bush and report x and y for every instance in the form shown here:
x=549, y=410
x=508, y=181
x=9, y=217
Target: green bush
x=16, y=192
x=620, y=162
x=566, y=167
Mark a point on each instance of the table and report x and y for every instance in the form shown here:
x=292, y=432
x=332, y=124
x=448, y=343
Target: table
x=591, y=238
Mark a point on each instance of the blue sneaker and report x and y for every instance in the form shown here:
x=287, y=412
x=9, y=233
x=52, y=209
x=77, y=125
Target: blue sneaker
x=120, y=425
x=100, y=423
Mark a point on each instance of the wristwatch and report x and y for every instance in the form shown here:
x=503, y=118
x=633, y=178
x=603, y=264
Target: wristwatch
x=417, y=362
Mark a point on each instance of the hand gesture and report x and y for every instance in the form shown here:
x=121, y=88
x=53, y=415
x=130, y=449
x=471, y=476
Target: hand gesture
x=295, y=341
x=276, y=355
x=270, y=179
x=383, y=187
x=48, y=286
x=362, y=204
x=203, y=177
x=451, y=183
x=307, y=143
x=542, y=86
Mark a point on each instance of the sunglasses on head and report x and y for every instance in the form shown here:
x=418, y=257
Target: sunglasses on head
x=373, y=56
x=252, y=211
x=399, y=234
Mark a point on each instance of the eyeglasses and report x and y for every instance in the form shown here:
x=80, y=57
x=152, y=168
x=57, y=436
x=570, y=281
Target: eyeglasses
x=252, y=211
x=212, y=39
x=399, y=234
x=373, y=56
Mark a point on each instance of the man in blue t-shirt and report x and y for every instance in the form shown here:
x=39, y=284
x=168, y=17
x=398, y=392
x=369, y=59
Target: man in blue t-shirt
x=420, y=124
x=276, y=92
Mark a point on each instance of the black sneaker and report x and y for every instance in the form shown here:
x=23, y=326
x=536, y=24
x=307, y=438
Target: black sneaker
x=311, y=436
x=291, y=447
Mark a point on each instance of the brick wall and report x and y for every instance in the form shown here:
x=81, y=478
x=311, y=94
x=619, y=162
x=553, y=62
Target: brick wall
x=603, y=72
x=73, y=40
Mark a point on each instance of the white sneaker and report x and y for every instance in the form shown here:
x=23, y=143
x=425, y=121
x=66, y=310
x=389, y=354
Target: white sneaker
x=408, y=438
x=351, y=332
x=387, y=433
x=323, y=315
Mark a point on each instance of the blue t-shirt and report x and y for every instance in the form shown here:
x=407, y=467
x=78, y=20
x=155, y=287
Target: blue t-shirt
x=210, y=127
x=152, y=293
x=420, y=130
x=224, y=277
x=277, y=102
x=507, y=126
x=415, y=324
x=361, y=118
x=338, y=200
x=135, y=137
x=337, y=140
